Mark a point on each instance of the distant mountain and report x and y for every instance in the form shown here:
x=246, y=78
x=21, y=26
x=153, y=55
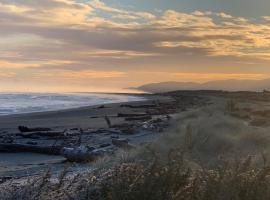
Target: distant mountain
x=229, y=85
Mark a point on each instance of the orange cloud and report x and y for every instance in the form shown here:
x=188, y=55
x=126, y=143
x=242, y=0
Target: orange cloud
x=7, y=64
x=219, y=76
x=91, y=74
x=99, y=53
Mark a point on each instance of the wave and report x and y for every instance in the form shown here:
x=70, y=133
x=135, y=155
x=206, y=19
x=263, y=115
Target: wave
x=18, y=103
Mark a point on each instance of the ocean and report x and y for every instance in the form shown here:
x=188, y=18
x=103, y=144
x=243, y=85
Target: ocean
x=18, y=103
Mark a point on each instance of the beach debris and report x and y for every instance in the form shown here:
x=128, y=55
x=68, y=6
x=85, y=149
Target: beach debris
x=94, y=117
x=126, y=128
x=82, y=153
x=104, y=145
x=27, y=129
x=8, y=139
x=113, y=130
x=3, y=179
x=157, y=124
x=139, y=106
x=101, y=107
x=36, y=135
x=17, y=148
x=132, y=114
x=32, y=142
x=72, y=132
x=140, y=118
x=108, y=121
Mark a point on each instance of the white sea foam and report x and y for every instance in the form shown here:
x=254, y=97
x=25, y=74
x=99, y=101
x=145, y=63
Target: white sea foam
x=17, y=103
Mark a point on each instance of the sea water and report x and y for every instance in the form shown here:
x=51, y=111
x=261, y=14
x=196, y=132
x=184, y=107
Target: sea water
x=17, y=103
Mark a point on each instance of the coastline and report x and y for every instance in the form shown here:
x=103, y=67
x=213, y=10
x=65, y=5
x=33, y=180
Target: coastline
x=27, y=103
x=88, y=118
x=132, y=124
x=79, y=116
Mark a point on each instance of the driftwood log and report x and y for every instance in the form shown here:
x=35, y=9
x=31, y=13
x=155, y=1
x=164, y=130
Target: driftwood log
x=140, y=118
x=139, y=106
x=17, y=148
x=27, y=129
x=81, y=154
x=132, y=114
x=41, y=134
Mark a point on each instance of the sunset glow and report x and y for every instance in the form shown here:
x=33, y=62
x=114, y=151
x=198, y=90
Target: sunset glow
x=105, y=44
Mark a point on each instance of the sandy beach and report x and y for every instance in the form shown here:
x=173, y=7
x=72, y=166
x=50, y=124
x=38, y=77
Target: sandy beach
x=144, y=122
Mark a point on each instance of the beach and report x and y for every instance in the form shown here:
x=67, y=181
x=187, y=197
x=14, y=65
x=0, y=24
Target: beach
x=103, y=128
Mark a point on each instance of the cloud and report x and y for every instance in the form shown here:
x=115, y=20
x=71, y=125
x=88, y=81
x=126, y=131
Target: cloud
x=224, y=15
x=89, y=38
x=91, y=74
x=174, y=19
x=46, y=12
x=266, y=18
x=7, y=64
x=77, y=75
x=97, y=4
x=117, y=54
x=121, y=13
x=220, y=76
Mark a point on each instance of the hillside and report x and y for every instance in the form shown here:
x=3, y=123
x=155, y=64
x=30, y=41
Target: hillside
x=230, y=85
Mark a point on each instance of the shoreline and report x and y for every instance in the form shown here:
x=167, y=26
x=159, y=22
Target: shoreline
x=81, y=111
x=130, y=98
x=131, y=124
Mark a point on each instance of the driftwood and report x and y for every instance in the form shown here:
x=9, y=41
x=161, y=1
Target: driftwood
x=139, y=106
x=26, y=129
x=140, y=118
x=126, y=128
x=112, y=130
x=17, y=148
x=5, y=178
x=42, y=134
x=131, y=114
x=81, y=154
x=108, y=121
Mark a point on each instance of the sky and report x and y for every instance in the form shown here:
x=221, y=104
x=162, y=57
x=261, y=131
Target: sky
x=110, y=45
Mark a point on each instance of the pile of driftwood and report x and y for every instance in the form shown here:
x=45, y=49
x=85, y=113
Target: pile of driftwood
x=29, y=140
